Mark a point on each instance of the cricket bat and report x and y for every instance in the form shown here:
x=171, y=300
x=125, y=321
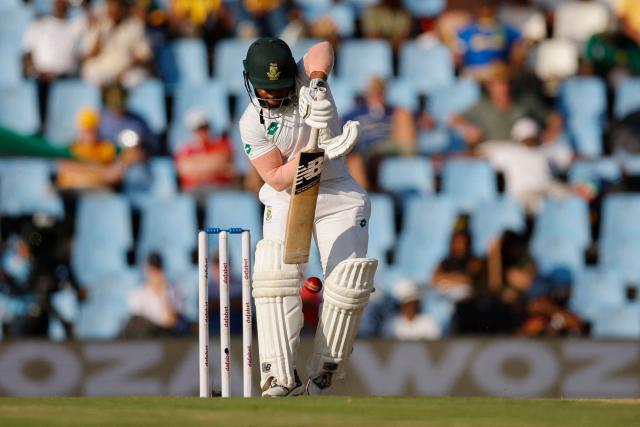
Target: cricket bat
x=304, y=195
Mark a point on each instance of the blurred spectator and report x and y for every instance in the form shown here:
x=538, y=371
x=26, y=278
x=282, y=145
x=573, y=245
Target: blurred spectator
x=116, y=118
x=208, y=19
x=388, y=20
x=527, y=164
x=153, y=304
x=529, y=21
x=260, y=18
x=487, y=42
x=205, y=163
x=460, y=271
x=99, y=165
x=52, y=48
x=621, y=49
x=386, y=130
x=297, y=28
x=410, y=324
x=116, y=47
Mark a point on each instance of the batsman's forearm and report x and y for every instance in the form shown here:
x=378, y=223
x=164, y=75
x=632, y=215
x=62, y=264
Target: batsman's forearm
x=279, y=177
x=319, y=59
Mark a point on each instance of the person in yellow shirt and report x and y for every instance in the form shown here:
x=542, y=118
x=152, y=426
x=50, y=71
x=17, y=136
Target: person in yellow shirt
x=99, y=165
x=259, y=18
x=629, y=14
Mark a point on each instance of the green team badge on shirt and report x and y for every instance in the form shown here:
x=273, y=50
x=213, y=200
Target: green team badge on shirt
x=247, y=148
x=273, y=128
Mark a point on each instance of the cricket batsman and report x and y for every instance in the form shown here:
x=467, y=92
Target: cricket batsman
x=275, y=127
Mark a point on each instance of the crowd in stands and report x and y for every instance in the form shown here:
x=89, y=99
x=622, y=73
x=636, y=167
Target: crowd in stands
x=500, y=143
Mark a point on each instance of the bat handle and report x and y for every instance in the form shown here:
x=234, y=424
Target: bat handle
x=321, y=93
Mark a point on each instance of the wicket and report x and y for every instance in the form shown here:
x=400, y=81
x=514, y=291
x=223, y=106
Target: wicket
x=225, y=311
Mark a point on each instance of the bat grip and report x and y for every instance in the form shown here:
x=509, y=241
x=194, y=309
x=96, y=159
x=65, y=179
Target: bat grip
x=321, y=93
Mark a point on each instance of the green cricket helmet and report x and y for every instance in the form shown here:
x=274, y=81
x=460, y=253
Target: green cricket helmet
x=269, y=65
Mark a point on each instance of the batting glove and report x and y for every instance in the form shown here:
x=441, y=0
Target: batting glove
x=316, y=113
x=342, y=144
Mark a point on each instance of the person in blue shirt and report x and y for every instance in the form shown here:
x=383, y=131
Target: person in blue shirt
x=486, y=42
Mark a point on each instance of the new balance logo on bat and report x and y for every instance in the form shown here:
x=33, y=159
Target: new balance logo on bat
x=309, y=172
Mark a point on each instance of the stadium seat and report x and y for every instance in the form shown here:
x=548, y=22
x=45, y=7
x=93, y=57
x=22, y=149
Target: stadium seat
x=621, y=323
x=147, y=99
x=627, y=97
x=491, y=218
x=594, y=290
x=65, y=303
x=445, y=102
x=427, y=67
x=440, y=307
x=437, y=140
x=620, y=215
x=424, y=240
x=66, y=98
x=155, y=179
x=104, y=219
x=91, y=262
x=228, y=66
x=469, y=182
x=169, y=227
x=184, y=61
x=14, y=21
x=584, y=119
x=382, y=228
x=564, y=219
x=595, y=170
x=425, y=8
x=406, y=175
x=10, y=64
x=211, y=97
x=622, y=254
x=343, y=94
x=402, y=94
x=552, y=253
x=234, y=209
x=355, y=65
x=631, y=164
x=301, y=47
x=19, y=108
x=25, y=189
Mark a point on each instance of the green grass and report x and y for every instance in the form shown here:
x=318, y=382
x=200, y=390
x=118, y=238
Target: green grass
x=308, y=411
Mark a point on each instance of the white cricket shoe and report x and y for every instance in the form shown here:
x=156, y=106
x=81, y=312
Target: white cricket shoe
x=277, y=390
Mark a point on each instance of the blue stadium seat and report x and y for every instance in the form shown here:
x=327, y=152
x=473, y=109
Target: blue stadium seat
x=19, y=108
x=343, y=94
x=620, y=323
x=65, y=303
x=440, y=307
x=66, y=97
x=424, y=240
x=151, y=180
x=595, y=170
x=91, y=262
x=594, y=290
x=228, y=67
x=14, y=21
x=445, y=102
x=565, y=219
x=437, y=140
x=406, y=175
x=211, y=97
x=234, y=209
x=177, y=135
x=584, y=119
x=427, y=67
x=422, y=8
x=620, y=215
x=469, y=182
x=627, y=97
x=355, y=64
x=104, y=219
x=240, y=159
x=301, y=47
x=552, y=253
x=183, y=62
x=402, y=94
x=491, y=218
x=622, y=254
x=631, y=164
x=169, y=227
x=25, y=189
x=147, y=99
x=10, y=64
x=382, y=228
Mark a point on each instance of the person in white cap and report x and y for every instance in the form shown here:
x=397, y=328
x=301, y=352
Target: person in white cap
x=410, y=323
x=206, y=161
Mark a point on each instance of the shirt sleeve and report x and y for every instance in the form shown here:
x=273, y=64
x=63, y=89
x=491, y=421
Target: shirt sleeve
x=252, y=134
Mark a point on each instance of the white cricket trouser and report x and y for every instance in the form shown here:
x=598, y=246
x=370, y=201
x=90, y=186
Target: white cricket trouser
x=341, y=228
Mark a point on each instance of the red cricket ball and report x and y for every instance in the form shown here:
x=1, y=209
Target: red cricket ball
x=313, y=285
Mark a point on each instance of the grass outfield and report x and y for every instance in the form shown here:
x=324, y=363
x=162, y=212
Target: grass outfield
x=326, y=411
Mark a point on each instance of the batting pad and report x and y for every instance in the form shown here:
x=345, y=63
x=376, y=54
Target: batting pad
x=276, y=294
x=346, y=294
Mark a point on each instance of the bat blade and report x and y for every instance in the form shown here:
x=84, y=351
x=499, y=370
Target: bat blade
x=302, y=207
